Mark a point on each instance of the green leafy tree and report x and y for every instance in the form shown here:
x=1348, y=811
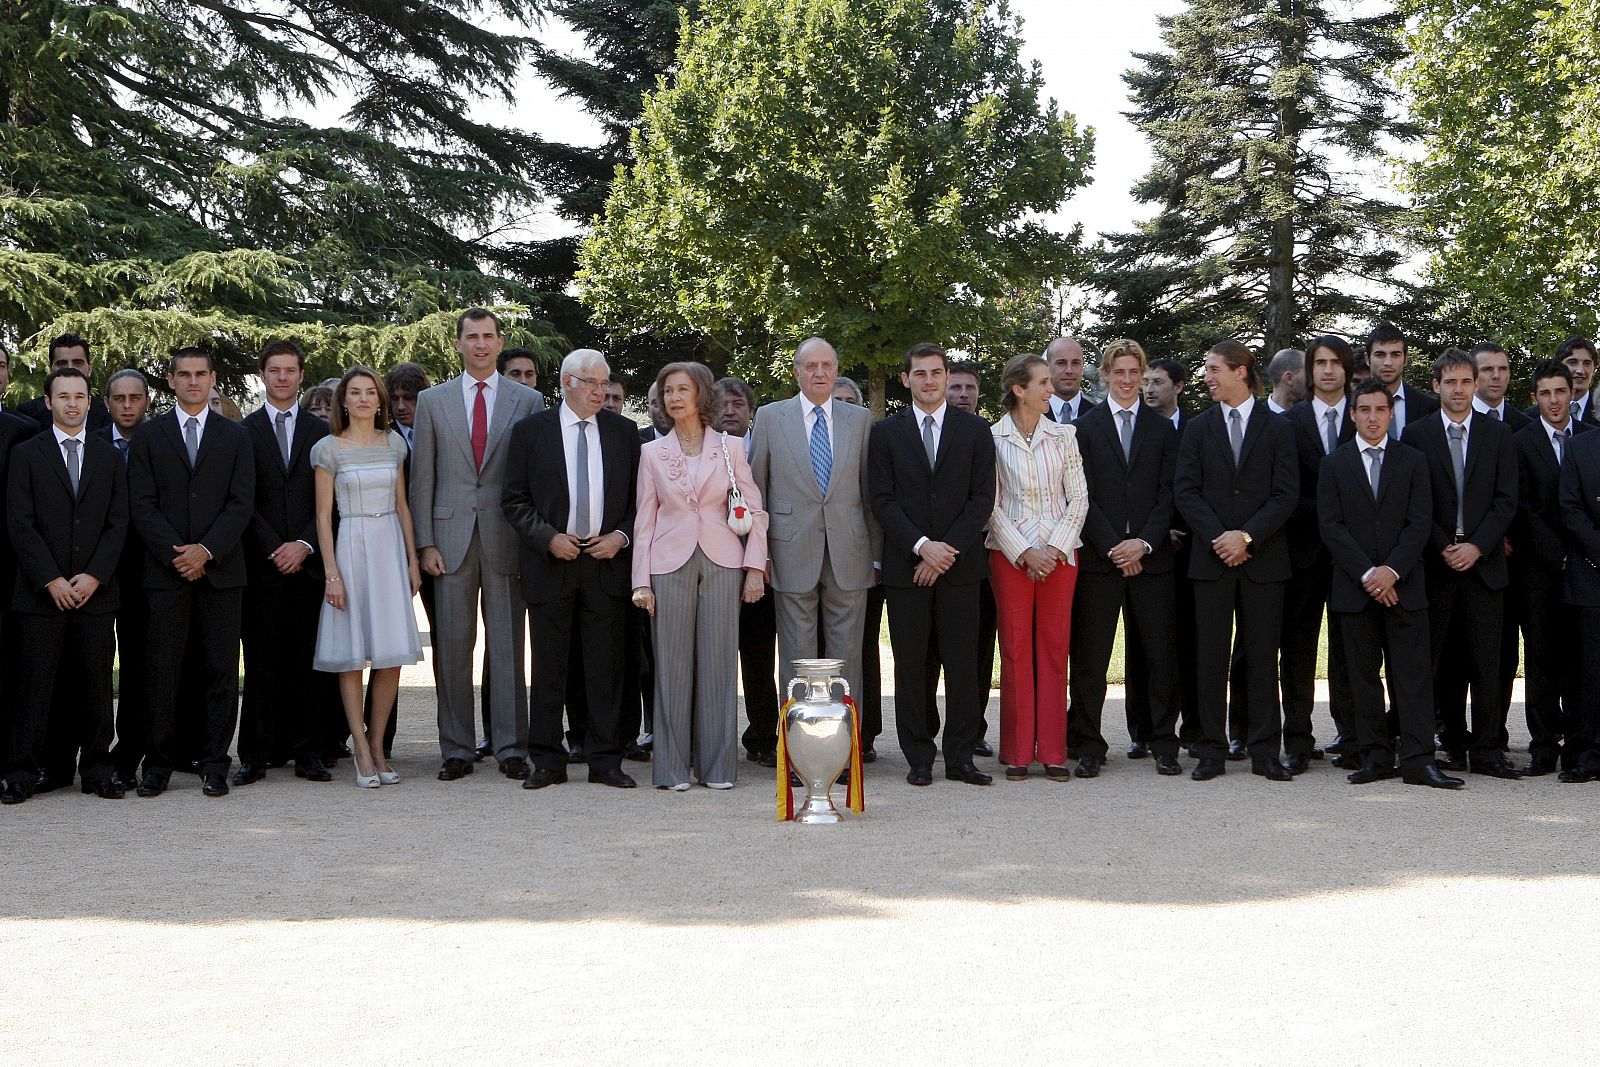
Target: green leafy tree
x=1256, y=111
x=1508, y=185
x=870, y=171
x=159, y=183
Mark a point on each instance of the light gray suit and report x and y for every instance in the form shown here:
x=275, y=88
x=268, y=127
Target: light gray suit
x=456, y=509
x=822, y=547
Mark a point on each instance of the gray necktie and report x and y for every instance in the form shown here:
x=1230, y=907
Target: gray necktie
x=1235, y=434
x=1126, y=434
x=1394, y=423
x=927, y=440
x=283, y=437
x=582, y=503
x=1329, y=432
x=1577, y=409
x=1374, y=468
x=1458, y=457
x=1561, y=443
x=73, y=469
x=191, y=439
x=1494, y=413
x=122, y=446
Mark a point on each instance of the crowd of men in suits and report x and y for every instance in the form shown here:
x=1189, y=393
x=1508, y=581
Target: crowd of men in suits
x=1430, y=528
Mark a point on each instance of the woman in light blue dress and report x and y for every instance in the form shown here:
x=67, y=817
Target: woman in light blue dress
x=367, y=619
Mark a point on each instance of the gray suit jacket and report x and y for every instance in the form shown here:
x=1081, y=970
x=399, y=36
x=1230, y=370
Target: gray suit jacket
x=450, y=497
x=802, y=522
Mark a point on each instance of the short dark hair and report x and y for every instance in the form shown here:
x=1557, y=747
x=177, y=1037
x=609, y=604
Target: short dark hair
x=1339, y=347
x=509, y=354
x=477, y=313
x=968, y=367
x=1452, y=357
x=740, y=386
x=190, y=352
x=1486, y=346
x=924, y=350
x=408, y=378
x=65, y=372
x=1551, y=368
x=1372, y=385
x=129, y=372
x=705, y=387
x=1237, y=355
x=282, y=347
x=1387, y=331
x=1174, y=369
x=69, y=340
x=1576, y=341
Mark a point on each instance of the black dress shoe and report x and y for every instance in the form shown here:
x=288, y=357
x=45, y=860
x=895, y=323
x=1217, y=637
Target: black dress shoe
x=637, y=753
x=1496, y=767
x=484, y=750
x=1452, y=761
x=921, y=774
x=1348, y=760
x=152, y=784
x=1207, y=769
x=984, y=749
x=1371, y=772
x=312, y=770
x=1336, y=748
x=1168, y=765
x=343, y=751
x=1271, y=769
x=1575, y=776
x=869, y=755
x=48, y=782
x=1236, y=751
x=1316, y=753
x=105, y=788
x=214, y=785
x=454, y=768
x=967, y=772
x=16, y=791
x=575, y=754
x=1297, y=764
x=1089, y=767
x=1138, y=750
x=1543, y=763
x=515, y=767
x=246, y=774
x=540, y=777
x=616, y=778
x=1432, y=775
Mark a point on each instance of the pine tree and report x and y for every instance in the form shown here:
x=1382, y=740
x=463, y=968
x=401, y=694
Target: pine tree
x=160, y=185
x=1256, y=111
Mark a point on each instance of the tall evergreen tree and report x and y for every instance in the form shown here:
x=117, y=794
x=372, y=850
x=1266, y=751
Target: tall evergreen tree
x=160, y=185
x=1256, y=111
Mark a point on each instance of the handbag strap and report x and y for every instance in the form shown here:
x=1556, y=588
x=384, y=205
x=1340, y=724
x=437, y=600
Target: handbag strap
x=733, y=483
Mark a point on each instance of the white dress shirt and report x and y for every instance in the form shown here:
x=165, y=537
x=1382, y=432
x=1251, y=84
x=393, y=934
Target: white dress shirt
x=469, y=394
x=183, y=420
x=1496, y=412
x=61, y=443
x=1176, y=419
x=1399, y=417
x=938, y=436
x=118, y=435
x=1319, y=409
x=1366, y=468
x=1273, y=405
x=1066, y=410
x=1245, y=409
x=1116, y=424
x=1550, y=435
x=597, y=485
x=272, y=420
x=811, y=418
x=1466, y=433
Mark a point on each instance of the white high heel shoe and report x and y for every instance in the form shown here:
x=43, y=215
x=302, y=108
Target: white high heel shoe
x=365, y=781
x=388, y=778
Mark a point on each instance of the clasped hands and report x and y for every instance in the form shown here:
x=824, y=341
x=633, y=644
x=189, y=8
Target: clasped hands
x=74, y=593
x=1379, y=584
x=936, y=557
x=190, y=561
x=1231, y=548
x=565, y=546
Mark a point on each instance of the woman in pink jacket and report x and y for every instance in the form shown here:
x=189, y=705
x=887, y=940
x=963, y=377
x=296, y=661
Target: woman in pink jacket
x=690, y=570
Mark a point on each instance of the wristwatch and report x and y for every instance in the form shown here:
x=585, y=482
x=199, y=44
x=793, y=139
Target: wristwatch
x=1248, y=540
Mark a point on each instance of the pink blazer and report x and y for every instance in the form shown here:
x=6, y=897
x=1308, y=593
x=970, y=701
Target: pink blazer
x=675, y=516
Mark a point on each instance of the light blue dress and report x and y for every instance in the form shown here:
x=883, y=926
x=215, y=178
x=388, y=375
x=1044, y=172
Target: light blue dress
x=377, y=627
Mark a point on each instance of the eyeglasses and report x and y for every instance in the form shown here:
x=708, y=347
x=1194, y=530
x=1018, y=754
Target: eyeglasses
x=592, y=383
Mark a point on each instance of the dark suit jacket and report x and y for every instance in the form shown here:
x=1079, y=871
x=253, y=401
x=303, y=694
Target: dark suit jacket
x=1580, y=520
x=1258, y=497
x=950, y=502
x=1515, y=420
x=1419, y=404
x=59, y=534
x=1491, y=489
x=1591, y=412
x=130, y=572
x=99, y=415
x=1537, y=538
x=210, y=505
x=1128, y=498
x=536, y=500
x=1305, y=538
x=285, y=499
x=1362, y=532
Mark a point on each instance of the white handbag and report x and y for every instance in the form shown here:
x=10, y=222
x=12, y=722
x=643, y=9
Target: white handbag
x=740, y=521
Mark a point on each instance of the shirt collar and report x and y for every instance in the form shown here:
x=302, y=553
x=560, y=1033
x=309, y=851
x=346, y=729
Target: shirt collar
x=118, y=435
x=1466, y=423
x=203, y=414
x=1361, y=443
x=1499, y=410
x=1318, y=407
x=570, y=417
x=1059, y=404
x=469, y=383
x=272, y=412
x=62, y=436
x=1550, y=431
x=1117, y=408
x=1245, y=409
x=808, y=407
x=937, y=413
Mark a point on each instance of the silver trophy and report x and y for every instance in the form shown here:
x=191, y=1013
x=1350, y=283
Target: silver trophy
x=818, y=734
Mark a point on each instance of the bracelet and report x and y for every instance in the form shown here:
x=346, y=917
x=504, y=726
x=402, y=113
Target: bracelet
x=335, y=579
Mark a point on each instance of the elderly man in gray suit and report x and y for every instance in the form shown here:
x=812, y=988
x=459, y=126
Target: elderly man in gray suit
x=810, y=462
x=464, y=541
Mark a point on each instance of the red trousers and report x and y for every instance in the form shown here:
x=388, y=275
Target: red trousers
x=1035, y=628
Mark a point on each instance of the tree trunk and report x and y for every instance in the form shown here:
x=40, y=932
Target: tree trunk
x=1280, y=324
x=877, y=390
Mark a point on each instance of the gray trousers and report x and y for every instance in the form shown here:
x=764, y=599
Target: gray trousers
x=836, y=616
x=696, y=636
x=455, y=602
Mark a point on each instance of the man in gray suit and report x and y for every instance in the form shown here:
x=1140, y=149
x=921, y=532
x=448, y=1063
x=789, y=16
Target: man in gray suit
x=465, y=543
x=810, y=462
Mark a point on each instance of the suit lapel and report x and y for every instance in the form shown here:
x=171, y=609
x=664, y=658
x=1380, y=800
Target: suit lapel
x=796, y=413
x=499, y=419
x=558, y=447
x=455, y=415
x=1254, y=427
x=58, y=463
x=712, y=464
x=1386, y=476
x=169, y=427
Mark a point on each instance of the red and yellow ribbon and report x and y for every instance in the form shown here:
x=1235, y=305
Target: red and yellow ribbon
x=855, y=796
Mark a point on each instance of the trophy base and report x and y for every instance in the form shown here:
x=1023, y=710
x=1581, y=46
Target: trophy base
x=818, y=810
